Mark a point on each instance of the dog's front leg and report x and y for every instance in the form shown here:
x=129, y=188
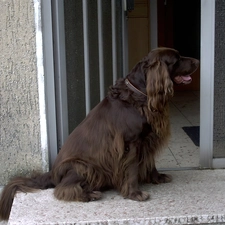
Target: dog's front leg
x=130, y=186
x=157, y=178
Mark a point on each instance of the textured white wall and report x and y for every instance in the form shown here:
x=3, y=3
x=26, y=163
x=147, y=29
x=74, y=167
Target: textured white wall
x=22, y=147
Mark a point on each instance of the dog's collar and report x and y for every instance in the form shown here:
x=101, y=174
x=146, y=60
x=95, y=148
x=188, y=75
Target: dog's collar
x=133, y=88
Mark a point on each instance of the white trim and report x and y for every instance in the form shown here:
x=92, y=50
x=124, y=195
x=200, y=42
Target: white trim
x=207, y=82
x=41, y=85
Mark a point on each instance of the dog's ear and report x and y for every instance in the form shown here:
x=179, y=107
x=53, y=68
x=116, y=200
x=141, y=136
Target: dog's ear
x=159, y=86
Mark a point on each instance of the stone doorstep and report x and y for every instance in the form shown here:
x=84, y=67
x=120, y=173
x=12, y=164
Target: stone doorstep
x=193, y=197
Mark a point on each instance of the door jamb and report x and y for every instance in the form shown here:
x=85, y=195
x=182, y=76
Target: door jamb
x=207, y=84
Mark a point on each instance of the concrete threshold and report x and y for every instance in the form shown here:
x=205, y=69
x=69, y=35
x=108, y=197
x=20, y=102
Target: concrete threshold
x=193, y=197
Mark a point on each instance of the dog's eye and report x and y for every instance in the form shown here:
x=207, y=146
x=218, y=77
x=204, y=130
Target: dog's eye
x=178, y=60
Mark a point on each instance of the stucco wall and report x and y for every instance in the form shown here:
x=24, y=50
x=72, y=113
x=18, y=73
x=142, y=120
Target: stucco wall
x=20, y=147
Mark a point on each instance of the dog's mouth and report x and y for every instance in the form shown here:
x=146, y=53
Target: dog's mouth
x=183, y=79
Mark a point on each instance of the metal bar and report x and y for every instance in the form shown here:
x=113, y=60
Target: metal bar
x=49, y=80
x=124, y=5
x=153, y=24
x=124, y=39
x=114, y=45
x=100, y=50
x=207, y=82
x=86, y=56
x=60, y=70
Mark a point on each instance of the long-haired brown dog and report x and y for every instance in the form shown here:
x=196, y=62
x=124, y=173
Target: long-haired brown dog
x=116, y=144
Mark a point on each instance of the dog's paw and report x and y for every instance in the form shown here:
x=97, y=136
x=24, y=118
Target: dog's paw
x=162, y=178
x=139, y=195
x=94, y=195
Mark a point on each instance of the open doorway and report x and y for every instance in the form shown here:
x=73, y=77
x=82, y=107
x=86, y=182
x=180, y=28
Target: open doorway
x=178, y=26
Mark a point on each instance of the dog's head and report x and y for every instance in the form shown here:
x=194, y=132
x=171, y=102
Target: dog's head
x=156, y=73
x=179, y=68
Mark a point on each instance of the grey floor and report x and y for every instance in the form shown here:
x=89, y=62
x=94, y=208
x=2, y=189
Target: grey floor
x=193, y=197
x=182, y=152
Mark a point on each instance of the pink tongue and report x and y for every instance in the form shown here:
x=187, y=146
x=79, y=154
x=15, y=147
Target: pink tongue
x=186, y=78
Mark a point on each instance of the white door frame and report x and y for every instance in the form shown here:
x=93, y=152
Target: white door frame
x=206, y=159
x=46, y=8
x=207, y=86
x=206, y=83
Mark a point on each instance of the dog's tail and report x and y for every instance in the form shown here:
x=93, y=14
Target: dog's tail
x=23, y=184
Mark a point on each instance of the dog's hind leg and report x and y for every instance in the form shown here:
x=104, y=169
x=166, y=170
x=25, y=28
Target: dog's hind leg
x=73, y=187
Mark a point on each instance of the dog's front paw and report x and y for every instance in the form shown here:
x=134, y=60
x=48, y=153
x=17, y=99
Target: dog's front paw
x=161, y=178
x=94, y=195
x=139, y=195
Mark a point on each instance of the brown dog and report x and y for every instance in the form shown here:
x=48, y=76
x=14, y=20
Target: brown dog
x=116, y=144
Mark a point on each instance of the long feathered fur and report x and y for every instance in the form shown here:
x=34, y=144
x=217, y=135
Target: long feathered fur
x=116, y=144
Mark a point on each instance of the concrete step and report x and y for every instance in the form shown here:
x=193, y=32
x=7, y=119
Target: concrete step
x=193, y=197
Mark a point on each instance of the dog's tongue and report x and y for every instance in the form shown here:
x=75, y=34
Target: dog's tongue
x=186, y=78
x=183, y=79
